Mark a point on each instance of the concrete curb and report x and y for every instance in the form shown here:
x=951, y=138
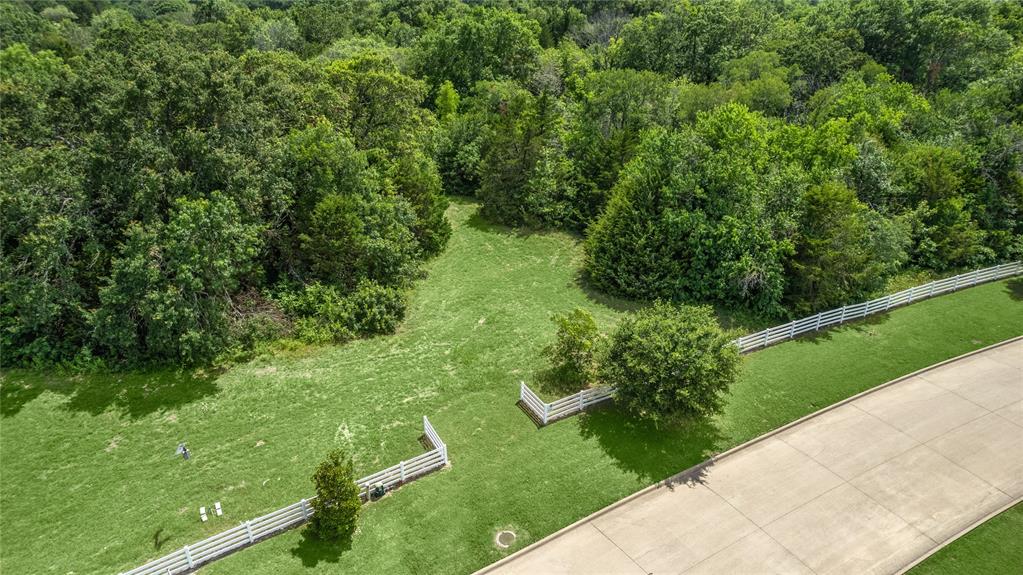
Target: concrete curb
x=679, y=477
x=959, y=534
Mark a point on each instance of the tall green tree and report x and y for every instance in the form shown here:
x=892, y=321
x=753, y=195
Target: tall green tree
x=612, y=110
x=688, y=219
x=482, y=44
x=337, y=505
x=692, y=39
x=759, y=81
x=840, y=257
x=525, y=178
x=170, y=284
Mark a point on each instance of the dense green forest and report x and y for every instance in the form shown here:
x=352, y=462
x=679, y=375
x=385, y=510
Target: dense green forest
x=184, y=180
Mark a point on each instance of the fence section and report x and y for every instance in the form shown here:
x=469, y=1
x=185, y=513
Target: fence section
x=852, y=312
x=559, y=408
x=191, y=556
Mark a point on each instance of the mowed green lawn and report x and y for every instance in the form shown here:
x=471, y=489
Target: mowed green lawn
x=992, y=548
x=89, y=482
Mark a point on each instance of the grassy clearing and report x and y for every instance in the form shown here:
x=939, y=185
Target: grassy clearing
x=993, y=548
x=90, y=482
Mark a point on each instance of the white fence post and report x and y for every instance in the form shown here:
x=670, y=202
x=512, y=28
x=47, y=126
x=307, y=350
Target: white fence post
x=818, y=326
x=841, y=319
x=581, y=401
x=930, y=292
x=955, y=284
x=401, y=468
x=546, y=411
x=215, y=546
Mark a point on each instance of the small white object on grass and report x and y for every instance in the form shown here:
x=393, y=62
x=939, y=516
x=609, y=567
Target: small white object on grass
x=216, y=506
x=202, y=514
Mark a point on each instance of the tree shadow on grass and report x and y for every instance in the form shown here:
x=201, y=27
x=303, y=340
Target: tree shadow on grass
x=1014, y=288
x=311, y=550
x=734, y=318
x=133, y=394
x=480, y=223
x=592, y=293
x=552, y=381
x=652, y=452
x=864, y=326
x=728, y=317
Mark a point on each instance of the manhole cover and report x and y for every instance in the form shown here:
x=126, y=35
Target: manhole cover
x=504, y=539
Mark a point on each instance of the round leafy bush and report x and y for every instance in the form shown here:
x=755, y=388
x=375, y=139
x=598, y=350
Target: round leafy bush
x=670, y=362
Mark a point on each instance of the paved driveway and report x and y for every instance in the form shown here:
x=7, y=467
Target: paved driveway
x=866, y=487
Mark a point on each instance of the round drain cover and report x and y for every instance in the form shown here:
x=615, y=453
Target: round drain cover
x=504, y=539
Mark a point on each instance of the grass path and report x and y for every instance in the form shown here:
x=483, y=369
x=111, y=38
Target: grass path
x=90, y=483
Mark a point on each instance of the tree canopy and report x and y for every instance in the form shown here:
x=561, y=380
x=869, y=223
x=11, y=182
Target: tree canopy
x=182, y=179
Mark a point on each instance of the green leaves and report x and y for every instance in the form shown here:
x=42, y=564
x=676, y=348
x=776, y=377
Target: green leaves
x=307, y=131
x=350, y=238
x=759, y=81
x=876, y=104
x=689, y=218
x=844, y=252
x=690, y=39
x=482, y=44
x=170, y=285
x=577, y=350
x=668, y=363
x=324, y=314
x=337, y=504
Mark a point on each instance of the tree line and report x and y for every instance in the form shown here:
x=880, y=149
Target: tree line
x=183, y=180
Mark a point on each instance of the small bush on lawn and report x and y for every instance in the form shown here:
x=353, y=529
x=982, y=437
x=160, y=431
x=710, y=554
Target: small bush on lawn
x=574, y=356
x=669, y=362
x=374, y=309
x=337, y=502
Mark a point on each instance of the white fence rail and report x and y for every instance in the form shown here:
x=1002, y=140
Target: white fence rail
x=853, y=312
x=191, y=556
x=559, y=408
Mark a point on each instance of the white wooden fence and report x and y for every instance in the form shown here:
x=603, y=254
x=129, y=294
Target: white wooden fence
x=572, y=404
x=191, y=556
x=852, y=312
x=548, y=412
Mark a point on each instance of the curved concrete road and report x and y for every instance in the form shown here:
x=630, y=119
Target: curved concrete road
x=867, y=486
